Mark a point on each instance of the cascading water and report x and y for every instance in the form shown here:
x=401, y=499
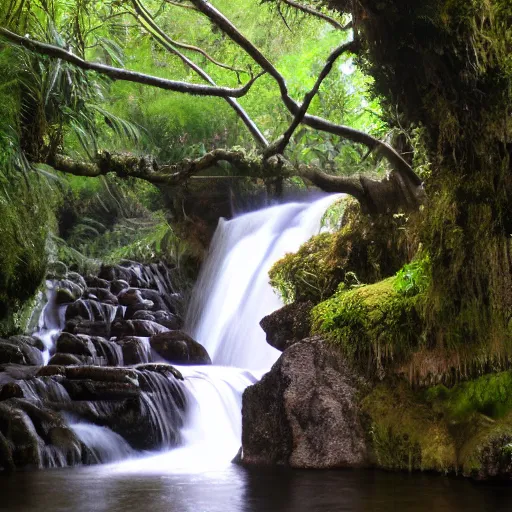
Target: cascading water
x=231, y=296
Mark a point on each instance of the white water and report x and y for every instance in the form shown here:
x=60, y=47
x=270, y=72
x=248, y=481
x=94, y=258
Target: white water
x=232, y=294
x=230, y=297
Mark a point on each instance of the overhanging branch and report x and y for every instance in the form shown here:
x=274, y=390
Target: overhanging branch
x=396, y=160
x=123, y=74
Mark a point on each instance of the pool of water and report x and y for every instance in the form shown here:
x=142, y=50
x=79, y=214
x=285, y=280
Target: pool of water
x=234, y=489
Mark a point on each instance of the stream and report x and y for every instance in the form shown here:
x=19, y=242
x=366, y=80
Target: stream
x=231, y=296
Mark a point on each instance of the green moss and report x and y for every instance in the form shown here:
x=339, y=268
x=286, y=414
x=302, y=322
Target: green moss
x=467, y=428
x=365, y=250
x=373, y=324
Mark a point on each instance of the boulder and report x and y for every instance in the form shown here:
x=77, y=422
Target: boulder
x=32, y=341
x=102, y=295
x=169, y=320
x=67, y=291
x=287, y=325
x=304, y=413
x=178, y=347
x=118, y=286
x=130, y=297
x=58, y=360
x=68, y=343
x=97, y=282
x=143, y=328
x=134, y=350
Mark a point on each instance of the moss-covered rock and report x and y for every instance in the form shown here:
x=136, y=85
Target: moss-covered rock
x=373, y=325
x=465, y=429
x=365, y=250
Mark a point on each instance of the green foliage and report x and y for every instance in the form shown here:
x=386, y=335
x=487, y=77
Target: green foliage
x=414, y=278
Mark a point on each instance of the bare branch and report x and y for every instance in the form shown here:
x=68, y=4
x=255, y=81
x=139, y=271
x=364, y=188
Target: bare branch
x=318, y=14
x=299, y=116
x=123, y=74
x=318, y=123
x=167, y=43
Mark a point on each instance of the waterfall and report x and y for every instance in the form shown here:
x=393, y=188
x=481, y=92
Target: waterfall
x=231, y=296
x=232, y=293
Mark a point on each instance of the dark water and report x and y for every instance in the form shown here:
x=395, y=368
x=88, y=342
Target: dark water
x=235, y=489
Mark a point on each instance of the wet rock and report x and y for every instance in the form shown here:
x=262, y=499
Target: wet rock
x=134, y=350
x=178, y=347
x=143, y=328
x=11, y=353
x=51, y=370
x=99, y=390
x=68, y=343
x=11, y=390
x=32, y=341
x=163, y=368
x=131, y=310
x=118, y=286
x=79, y=309
x=89, y=328
x=76, y=278
x=168, y=320
x=288, y=325
x=130, y=297
x=304, y=413
x=114, y=272
x=155, y=298
x=97, y=282
x=107, y=350
x=143, y=315
x=102, y=295
x=59, y=360
x=67, y=291
x=101, y=373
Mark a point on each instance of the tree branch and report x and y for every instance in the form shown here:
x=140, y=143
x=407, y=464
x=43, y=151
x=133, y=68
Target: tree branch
x=123, y=74
x=168, y=44
x=318, y=123
x=313, y=12
x=281, y=144
x=179, y=4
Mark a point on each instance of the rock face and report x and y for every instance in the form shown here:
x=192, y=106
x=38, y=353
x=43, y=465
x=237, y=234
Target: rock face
x=287, y=325
x=178, y=347
x=304, y=413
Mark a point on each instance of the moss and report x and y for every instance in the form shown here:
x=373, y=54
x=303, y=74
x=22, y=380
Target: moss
x=365, y=250
x=466, y=429
x=373, y=324
x=407, y=434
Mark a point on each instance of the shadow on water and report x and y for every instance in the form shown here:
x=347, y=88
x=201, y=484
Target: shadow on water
x=102, y=489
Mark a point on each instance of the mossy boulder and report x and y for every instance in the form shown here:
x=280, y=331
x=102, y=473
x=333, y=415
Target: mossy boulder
x=366, y=249
x=375, y=325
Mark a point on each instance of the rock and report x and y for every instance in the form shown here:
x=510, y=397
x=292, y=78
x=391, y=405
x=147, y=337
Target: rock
x=178, y=347
x=163, y=368
x=11, y=390
x=67, y=291
x=155, y=298
x=32, y=341
x=118, y=286
x=12, y=353
x=130, y=297
x=143, y=315
x=59, y=360
x=68, y=343
x=50, y=369
x=97, y=282
x=131, y=310
x=98, y=390
x=79, y=309
x=76, y=278
x=107, y=350
x=304, y=413
x=143, y=328
x=102, y=295
x=134, y=350
x=114, y=272
x=287, y=325
x=169, y=320
x=89, y=328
